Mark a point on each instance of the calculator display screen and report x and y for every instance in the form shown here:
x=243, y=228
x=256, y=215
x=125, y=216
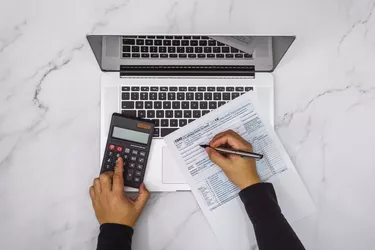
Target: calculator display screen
x=130, y=135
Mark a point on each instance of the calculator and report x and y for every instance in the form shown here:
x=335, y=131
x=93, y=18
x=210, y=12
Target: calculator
x=129, y=138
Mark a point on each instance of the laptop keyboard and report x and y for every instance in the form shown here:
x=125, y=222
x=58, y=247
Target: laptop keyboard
x=181, y=47
x=173, y=107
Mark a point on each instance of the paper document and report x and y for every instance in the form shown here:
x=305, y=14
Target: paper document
x=215, y=194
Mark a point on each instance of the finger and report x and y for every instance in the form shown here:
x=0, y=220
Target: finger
x=142, y=198
x=106, y=181
x=92, y=193
x=118, y=178
x=97, y=187
x=231, y=139
x=218, y=158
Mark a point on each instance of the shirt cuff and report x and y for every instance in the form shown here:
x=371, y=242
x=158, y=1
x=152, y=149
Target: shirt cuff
x=259, y=198
x=116, y=231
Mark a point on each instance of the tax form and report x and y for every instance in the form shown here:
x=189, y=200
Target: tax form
x=216, y=195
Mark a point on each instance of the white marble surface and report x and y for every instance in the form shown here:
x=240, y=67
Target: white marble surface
x=49, y=116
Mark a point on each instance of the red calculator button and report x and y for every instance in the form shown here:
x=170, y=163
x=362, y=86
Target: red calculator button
x=119, y=149
x=111, y=147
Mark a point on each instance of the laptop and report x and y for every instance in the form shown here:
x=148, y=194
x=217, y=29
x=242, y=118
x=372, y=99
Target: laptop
x=175, y=79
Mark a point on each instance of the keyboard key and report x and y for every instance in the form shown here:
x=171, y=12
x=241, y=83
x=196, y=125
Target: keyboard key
x=198, y=96
x=181, y=50
x=212, y=105
x=235, y=95
x=219, y=104
x=176, y=42
x=238, y=55
x=162, y=95
x=171, y=50
x=164, y=123
x=191, y=120
x=234, y=50
x=220, y=89
x=126, y=55
x=126, y=96
x=158, y=42
x=144, y=95
x=156, y=122
x=139, y=105
x=196, y=113
x=198, y=50
x=216, y=50
x=194, y=105
x=182, y=55
x=210, y=88
x=171, y=96
x=160, y=113
x=167, y=131
x=189, y=49
x=208, y=96
x=153, y=96
x=185, y=105
x=182, y=122
x=140, y=42
x=225, y=50
x=163, y=55
x=149, y=42
x=148, y=105
x=201, y=56
x=167, y=42
x=210, y=55
x=182, y=88
x=184, y=43
x=162, y=49
x=135, y=88
x=157, y=105
x=203, y=105
x=154, y=88
x=189, y=96
x=207, y=50
x=201, y=88
x=125, y=88
x=204, y=112
x=203, y=43
x=211, y=43
x=173, y=123
x=228, y=55
x=145, y=88
x=163, y=88
x=229, y=88
x=142, y=113
x=145, y=55
x=180, y=96
x=248, y=56
x=144, y=49
x=248, y=88
x=154, y=55
x=135, y=96
x=226, y=96
x=126, y=49
x=173, y=88
x=150, y=113
x=193, y=43
x=192, y=55
x=239, y=89
x=127, y=105
x=156, y=132
x=130, y=113
x=135, y=49
x=154, y=49
x=128, y=41
x=219, y=56
x=178, y=113
x=176, y=105
x=172, y=55
x=167, y=105
x=217, y=96
x=192, y=88
x=169, y=113
x=169, y=37
x=187, y=37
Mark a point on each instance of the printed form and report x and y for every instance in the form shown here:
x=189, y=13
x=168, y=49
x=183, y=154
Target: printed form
x=216, y=195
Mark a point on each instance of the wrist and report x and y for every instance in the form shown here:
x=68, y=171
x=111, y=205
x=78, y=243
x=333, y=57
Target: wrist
x=249, y=183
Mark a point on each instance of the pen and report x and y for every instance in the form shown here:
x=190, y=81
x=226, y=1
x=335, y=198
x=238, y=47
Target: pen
x=236, y=152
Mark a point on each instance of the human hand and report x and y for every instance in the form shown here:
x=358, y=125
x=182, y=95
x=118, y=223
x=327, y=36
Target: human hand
x=241, y=171
x=109, y=200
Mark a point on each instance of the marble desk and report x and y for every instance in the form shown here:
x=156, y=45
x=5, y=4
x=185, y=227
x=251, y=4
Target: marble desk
x=50, y=103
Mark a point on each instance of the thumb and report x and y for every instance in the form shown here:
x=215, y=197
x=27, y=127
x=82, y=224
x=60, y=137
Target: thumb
x=142, y=198
x=218, y=158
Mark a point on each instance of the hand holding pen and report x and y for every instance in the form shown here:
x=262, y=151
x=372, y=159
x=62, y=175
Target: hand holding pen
x=241, y=171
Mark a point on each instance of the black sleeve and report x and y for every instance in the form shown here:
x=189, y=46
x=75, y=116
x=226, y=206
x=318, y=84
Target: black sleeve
x=115, y=237
x=272, y=230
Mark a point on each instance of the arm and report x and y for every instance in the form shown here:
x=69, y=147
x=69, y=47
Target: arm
x=271, y=228
x=116, y=213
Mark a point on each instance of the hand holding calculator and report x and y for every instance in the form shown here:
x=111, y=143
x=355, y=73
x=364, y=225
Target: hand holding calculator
x=129, y=138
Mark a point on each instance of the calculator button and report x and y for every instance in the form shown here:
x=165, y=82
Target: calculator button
x=118, y=155
x=129, y=175
x=138, y=173
x=132, y=165
x=125, y=164
x=108, y=166
x=119, y=149
x=135, y=152
x=126, y=157
x=109, y=160
x=111, y=147
x=137, y=179
x=127, y=150
x=139, y=167
x=110, y=153
x=133, y=158
x=141, y=160
x=142, y=153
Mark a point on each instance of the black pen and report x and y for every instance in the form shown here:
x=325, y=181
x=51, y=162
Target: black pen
x=236, y=152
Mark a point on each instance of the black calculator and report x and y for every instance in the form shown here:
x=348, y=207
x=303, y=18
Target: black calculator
x=129, y=138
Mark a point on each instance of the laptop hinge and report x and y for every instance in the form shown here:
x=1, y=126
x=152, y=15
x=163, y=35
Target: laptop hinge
x=188, y=70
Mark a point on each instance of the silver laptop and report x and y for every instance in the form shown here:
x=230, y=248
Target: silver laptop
x=175, y=79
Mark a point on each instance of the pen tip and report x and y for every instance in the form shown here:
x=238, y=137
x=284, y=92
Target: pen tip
x=204, y=146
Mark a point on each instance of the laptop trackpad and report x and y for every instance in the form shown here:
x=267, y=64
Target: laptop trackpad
x=171, y=172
